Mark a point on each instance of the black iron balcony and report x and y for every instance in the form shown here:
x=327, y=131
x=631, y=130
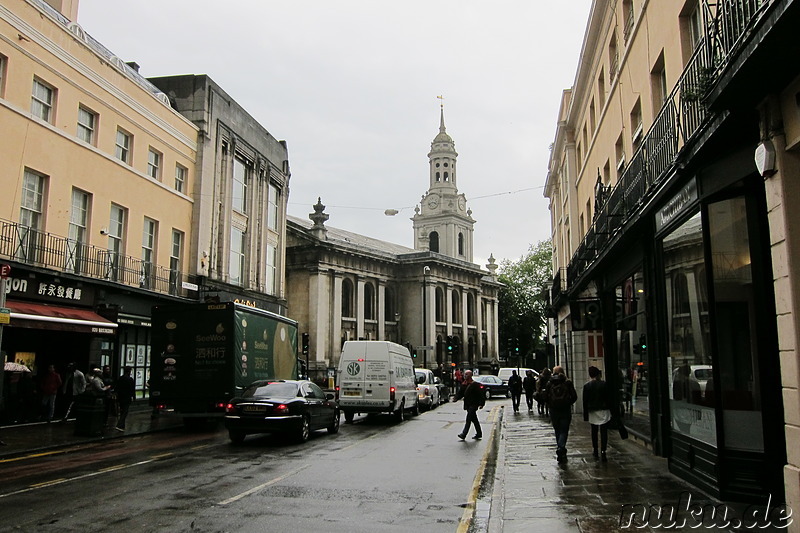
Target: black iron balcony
x=678, y=122
x=36, y=248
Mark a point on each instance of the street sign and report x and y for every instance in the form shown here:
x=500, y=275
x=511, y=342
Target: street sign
x=5, y=271
x=424, y=348
x=5, y=315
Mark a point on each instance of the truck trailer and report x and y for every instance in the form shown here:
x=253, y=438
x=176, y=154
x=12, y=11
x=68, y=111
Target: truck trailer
x=204, y=354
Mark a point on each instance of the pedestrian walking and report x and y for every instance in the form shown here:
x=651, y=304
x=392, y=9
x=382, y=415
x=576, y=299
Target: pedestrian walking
x=474, y=399
x=541, y=385
x=515, y=388
x=529, y=386
x=49, y=385
x=560, y=394
x=126, y=390
x=74, y=384
x=597, y=403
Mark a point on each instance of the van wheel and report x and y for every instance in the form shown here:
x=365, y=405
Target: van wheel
x=305, y=429
x=334, y=427
x=488, y=394
x=415, y=410
x=400, y=414
x=348, y=417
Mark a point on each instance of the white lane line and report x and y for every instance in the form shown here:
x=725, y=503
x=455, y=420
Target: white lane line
x=77, y=478
x=267, y=484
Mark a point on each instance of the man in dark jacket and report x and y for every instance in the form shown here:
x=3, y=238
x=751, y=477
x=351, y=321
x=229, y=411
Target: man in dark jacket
x=474, y=399
x=560, y=394
x=515, y=388
x=126, y=391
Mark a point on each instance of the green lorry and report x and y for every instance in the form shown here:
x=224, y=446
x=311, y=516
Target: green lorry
x=205, y=354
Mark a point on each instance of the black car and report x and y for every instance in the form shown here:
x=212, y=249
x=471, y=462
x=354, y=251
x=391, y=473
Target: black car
x=493, y=386
x=281, y=406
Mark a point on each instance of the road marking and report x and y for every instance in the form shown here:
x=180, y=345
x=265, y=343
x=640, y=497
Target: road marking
x=161, y=456
x=200, y=447
x=31, y=456
x=469, y=508
x=76, y=478
x=263, y=485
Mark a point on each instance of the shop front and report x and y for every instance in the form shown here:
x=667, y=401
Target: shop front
x=718, y=340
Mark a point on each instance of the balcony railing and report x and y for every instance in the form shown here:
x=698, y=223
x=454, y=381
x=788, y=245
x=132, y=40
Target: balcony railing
x=32, y=247
x=678, y=122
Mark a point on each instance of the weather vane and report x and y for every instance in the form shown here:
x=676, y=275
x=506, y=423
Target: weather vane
x=440, y=97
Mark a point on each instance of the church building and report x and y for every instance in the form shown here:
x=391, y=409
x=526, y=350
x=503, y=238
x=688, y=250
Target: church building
x=345, y=286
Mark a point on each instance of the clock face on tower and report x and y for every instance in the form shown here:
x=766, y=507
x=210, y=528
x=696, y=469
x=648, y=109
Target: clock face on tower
x=461, y=204
x=433, y=201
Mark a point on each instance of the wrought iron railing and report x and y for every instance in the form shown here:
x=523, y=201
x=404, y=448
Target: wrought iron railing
x=28, y=246
x=680, y=119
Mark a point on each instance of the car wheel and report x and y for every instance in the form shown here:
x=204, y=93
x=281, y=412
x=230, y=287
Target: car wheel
x=400, y=414
x=348, y=417
x=415, y=410
x=305, y=429
x=334, y=427
x=237, y=437
x=488, y=394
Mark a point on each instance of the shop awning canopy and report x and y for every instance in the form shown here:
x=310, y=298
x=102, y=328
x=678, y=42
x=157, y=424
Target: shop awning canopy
x=43, y=316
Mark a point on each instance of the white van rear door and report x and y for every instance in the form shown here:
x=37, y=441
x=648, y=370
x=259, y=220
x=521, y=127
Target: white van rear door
x=352, y=371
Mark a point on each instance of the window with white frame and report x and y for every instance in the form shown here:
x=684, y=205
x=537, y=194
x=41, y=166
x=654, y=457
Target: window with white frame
x=42, y=100
x=154, y=163
x=3, y=63
x=149, y=233
x=272, y=214
x=239, y=192
x=76, y=240
x=180, y=177
x=30, y=215
x=87, y=123
x=636, y=125
x=123, y=146
x=175, y=255
x=237, y=258
x=116, y=243
x=272, y=269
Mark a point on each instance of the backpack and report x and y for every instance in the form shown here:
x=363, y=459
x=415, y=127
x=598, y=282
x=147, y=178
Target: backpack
x=560, y=395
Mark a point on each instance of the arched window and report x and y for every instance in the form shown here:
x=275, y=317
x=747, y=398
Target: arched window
x=347, y=298
x=433, y=239
x=470, y=309
x=446, y=176
x=440, y=312
x=455, y=301
x=438, y=178
x=369, y=302
x=460, y=244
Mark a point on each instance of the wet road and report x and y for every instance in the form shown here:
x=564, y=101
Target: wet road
x=374, y=475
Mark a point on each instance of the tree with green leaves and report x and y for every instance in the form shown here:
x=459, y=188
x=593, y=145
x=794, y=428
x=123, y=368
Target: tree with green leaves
x=523, y=301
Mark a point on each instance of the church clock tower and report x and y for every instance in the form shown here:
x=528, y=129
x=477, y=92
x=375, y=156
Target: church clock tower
x=442, y=222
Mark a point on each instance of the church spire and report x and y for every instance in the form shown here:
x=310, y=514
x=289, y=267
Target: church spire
x=441, y=118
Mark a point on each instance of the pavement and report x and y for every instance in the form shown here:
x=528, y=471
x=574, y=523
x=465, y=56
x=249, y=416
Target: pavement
x=520, y=488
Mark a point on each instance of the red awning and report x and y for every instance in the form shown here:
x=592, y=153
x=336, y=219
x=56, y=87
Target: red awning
x=43, y=316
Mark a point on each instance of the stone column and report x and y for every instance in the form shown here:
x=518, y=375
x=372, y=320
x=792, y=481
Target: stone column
x=359, y=303
x=335, y=324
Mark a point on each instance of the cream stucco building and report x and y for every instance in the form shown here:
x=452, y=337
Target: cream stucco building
x=673, y=168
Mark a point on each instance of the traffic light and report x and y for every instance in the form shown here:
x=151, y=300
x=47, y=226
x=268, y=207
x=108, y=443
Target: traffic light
x=411, y=349
x=305, y=343
x=456, y=348
x=516, y=346
x=641, y=346
x=449, y=345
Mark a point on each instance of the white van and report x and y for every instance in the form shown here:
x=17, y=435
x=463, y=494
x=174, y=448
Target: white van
x=376, y=377
x=505, y=373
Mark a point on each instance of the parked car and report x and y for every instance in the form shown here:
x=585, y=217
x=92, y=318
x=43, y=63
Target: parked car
x=493, y=386
x=297, y=407
x=426, y=388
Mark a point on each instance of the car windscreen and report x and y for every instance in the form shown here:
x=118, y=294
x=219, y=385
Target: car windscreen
x=702, y=374
x=271, y=390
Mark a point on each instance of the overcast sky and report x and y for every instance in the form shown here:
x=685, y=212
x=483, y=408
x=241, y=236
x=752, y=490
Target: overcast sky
x=351, y=86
